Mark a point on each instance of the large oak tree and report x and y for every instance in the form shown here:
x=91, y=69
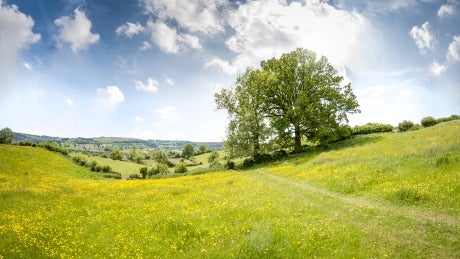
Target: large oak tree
x=308, y=98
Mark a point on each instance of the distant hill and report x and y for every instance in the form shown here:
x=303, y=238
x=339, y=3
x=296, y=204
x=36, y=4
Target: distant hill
x=113, y=142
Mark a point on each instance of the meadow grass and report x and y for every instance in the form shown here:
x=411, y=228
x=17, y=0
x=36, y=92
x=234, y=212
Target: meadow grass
x=51, y=207
x=125, y=168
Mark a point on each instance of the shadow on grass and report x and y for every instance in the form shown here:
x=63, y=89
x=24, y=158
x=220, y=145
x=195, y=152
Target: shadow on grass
x=310, y=153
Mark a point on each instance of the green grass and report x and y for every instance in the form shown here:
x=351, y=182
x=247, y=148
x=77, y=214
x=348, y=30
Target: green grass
x=388, y=195
x=125, y=168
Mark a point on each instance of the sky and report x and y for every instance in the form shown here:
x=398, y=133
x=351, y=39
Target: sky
x=149, y=69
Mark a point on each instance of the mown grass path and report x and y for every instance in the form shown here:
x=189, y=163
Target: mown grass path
x=295, y=188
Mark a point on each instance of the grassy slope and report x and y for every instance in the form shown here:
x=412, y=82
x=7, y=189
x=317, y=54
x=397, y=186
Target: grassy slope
x=302, y=207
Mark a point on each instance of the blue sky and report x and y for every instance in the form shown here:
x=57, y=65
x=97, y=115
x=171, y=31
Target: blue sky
x=149, y=68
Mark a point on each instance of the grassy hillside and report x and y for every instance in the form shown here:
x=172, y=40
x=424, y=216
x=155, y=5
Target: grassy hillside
x=390, y=195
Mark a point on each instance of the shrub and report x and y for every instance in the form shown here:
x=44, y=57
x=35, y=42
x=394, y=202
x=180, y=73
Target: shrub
x=428, y=121
x=6, y=136
x=279, y=154
x=248, y=162
x=262, y=158
x=180, y=168
x=370, y=128
x=54, y=148
x=450, y=118
x=229, y=165
x=405, y=125
x=213, y=157
x=143, y=172
x=134, y=176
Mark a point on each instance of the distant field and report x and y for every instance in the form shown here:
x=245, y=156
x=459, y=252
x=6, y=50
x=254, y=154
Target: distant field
x=385, y=195
x=123, y=167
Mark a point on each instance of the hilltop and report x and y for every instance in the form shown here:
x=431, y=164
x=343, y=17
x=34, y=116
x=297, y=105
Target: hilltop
x=113, y=142
x=373, y=196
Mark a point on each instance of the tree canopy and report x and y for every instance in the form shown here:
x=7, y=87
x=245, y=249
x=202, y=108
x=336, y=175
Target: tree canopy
x=294, y=97
x=6, y=136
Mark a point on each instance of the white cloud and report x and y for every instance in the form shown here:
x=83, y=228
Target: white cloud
x=453, y=52
x=151, y=86
x=446, y=10
x=169, y=81
x=69, y=102
x=264, y=29
x=422, y=37
x=27, y=65
x=76, y=31
x=145, y=45
x=112, y=93
x=129, y=29
x=437, y=69
x=204, y=16
x=169, y=40
x=15, y=35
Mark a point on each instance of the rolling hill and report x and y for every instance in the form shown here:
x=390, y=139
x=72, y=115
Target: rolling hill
x=374, y=196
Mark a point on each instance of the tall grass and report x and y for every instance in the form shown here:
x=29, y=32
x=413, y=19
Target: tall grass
x=375, y=197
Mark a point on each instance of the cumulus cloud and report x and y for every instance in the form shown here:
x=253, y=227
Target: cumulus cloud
x=129, y=29
x=203, y=16
x=112, y=93
x=151, y=85
x=446, y=10
x=437, y=69
x=453, y=52
x=264, y=29
x=169, y=40
x=422, y=37
x=145, y=45
x=76, y=31
x=15, y=35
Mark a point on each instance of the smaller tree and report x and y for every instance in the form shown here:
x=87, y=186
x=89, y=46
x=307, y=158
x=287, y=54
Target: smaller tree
x=428, y=121
x=160, y=156
x=180, y=168
x=6, y=136
x=405, y=125
x=143, y=171
x=188, y=150
x=202, y=149
x=116, y=155
x=213, y=157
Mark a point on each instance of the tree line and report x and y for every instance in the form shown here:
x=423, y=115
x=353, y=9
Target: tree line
x=298, y=96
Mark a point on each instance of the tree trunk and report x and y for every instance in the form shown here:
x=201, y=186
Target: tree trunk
x=297, y=141
x=255, y=142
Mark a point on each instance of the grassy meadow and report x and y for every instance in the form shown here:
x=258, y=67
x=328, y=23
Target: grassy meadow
x=375, y=196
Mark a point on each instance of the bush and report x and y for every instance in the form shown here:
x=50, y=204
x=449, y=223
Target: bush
x=450, y=118
x=143, y=172
x=262, y=158
x=180, y=168
x=248, y=162
x=428, y=121
x=134, y=176
x=229, y=165
x=54, y=148
x=6, y=136
x=279, y=154
x=370, y=128
x=405, y=125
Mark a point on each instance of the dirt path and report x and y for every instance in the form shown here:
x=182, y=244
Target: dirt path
x=422, y=215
